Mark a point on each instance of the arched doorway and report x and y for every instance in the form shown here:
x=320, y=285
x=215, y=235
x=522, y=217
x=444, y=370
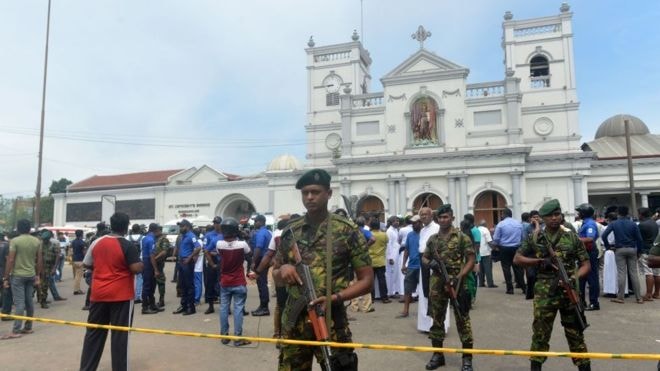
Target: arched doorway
x=488, y=206
x=426, y=200
x=371, y=206
x=235, y=206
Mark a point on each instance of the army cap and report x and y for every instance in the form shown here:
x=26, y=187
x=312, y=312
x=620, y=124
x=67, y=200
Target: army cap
x=443, y=209
x=314, y=176
x=549, y=206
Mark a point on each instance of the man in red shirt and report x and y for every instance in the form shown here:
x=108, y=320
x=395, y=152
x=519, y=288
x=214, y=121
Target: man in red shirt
x=232, y=253
x=114, y=262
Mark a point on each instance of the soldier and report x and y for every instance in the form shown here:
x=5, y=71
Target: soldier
x=158, y=256
x=311, y=233
x=456, y=251
x=50, y=248
x=549, y=297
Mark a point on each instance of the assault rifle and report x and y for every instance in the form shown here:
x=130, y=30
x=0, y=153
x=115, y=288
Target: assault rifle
x=451, y=290
x=316, y=313
x=569, y=291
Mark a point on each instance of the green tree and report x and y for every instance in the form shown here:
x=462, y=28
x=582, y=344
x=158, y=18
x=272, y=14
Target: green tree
x=59, y=186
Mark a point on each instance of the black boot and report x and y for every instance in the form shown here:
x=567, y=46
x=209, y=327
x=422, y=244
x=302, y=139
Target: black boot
x=438, y=359
x=146, y=307
x=210, y=310
x=467, y=364
x=536, y=366
x=586, y=367
x=161, y=303
x=154, y=306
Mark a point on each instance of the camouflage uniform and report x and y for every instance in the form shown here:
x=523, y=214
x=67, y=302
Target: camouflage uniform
x=50, y=251
x=349, y=252
x=453, y=252
x=162, y=244
x=549, y=297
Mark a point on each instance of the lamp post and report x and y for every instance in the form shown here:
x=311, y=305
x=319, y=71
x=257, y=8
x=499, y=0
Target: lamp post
x=37, y=196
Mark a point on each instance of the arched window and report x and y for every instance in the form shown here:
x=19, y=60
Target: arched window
x=488, y=206
x=426, y=200
x=539, y=72
x=371, y=206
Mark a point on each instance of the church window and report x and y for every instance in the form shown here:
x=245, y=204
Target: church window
x=332, y=99
x=539, y=72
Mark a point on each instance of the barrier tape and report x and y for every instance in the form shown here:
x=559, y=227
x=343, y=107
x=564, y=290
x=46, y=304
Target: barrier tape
x=404, y=348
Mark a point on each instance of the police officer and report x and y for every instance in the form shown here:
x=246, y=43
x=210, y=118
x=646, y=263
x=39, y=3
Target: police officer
x=158, y=256
x=549, y=296
x=211, y=238
x=588, y=234
x=456, y=251
x=312, y=234
x=188, y=251
x=148, y=279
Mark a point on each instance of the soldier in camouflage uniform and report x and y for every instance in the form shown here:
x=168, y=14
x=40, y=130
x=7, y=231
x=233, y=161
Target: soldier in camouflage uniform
x=310, y=233
x=456, y=250
x=158, y=256
x=50, y=248
x=549, y=296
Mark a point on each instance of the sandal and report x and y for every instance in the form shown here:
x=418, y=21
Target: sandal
x=618, y=301
x=647, y=298
x=241, y=343
x=11, y=335
x=656, y=296
x=640, y=301
x=402, y=315
x=27, y=331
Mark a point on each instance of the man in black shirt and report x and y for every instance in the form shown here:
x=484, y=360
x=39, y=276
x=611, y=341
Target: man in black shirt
x=79, y=248
x=649, y=231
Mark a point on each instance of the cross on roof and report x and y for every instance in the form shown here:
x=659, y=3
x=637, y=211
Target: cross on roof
x=421, y=35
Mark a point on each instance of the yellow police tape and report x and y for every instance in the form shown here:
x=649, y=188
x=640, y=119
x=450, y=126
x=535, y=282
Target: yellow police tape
x=490, y=352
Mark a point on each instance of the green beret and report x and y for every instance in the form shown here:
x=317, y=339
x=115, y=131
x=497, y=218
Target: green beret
x=443, y=209
x=549, y=206
x=314, y=176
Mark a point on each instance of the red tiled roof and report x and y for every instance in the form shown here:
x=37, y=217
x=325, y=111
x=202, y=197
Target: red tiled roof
x=130, y=180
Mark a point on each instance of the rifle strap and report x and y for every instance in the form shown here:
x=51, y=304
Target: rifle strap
x=328, y=275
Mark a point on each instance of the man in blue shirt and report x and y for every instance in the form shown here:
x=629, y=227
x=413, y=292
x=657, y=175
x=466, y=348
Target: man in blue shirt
x=588, y=234
x=188, y=252
x=411, y=269
x=627, y=246
x=508, y=237
x=260, y=240
x=148, y=280
x=212, y=268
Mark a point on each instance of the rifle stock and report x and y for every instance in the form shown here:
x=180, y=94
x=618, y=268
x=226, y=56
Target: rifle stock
x=569, y=291
x=451, y=290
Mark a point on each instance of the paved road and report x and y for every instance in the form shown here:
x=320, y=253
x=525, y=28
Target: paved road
x=500, y=322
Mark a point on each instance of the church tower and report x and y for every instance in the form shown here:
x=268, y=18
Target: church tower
x=539, y=52
x=332, y=71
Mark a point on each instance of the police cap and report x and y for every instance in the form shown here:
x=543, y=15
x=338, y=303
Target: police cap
x=549, y=207
x=314, y=176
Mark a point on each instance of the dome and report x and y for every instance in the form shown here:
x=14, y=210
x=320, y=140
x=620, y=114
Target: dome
x=614, y=126
x=284, y=163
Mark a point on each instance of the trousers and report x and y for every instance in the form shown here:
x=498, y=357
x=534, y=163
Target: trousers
x=118, y=313
x=506, y=257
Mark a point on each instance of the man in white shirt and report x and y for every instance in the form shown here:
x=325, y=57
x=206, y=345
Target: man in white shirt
x=392, y=268
x=486, y=265
x=429, y=228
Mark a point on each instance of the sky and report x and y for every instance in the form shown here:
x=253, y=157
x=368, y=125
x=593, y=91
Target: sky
x=152, y=85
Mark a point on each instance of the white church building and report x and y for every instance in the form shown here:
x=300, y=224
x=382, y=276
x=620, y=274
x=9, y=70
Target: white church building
x=423, y=136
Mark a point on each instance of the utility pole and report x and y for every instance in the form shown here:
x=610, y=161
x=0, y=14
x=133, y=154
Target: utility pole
x=631, y=180
x=37, y=195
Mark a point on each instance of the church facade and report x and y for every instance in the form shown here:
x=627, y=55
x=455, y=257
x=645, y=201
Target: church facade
x=426, y=138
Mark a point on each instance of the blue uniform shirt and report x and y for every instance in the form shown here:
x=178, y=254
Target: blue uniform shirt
x=588, y=229
x=261, y=239
x=189, y=243
x=211, y=240
x=148, y=243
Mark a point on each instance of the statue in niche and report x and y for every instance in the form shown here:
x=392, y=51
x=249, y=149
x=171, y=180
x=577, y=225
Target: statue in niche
x=423, y=121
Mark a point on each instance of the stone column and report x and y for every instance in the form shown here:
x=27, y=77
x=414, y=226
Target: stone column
x=451, y=190
x=513, y=99
x=577, y=190
x=271, y=200
x=391, y=196
x=403, y=199
x=345, y=112
x=515, y=191
x=463, y=197
x=645, y=199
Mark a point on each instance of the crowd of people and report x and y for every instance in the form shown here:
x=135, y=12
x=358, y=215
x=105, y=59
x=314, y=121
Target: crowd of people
x=429, y=258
